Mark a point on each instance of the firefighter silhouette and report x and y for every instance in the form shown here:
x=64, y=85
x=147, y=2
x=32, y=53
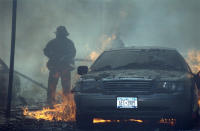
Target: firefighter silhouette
x=61, y=53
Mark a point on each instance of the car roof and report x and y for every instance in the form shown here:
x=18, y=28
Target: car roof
x=142, y=48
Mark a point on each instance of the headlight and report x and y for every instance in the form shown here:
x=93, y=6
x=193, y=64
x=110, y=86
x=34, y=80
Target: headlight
x=88, y=84
x=172, y=86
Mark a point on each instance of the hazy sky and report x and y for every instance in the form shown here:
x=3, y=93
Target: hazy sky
x=170, y=23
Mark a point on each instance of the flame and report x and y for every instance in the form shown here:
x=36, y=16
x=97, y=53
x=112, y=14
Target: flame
x=171, y=121
x=199, y=99
x=193, y=59
x=105, y=44
x=134, y=120
x=64, y=111
x=44, y=68
x=94, y=55
x=99, y=120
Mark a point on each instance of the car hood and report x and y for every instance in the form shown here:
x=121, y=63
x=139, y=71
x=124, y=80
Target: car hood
x=137, y=74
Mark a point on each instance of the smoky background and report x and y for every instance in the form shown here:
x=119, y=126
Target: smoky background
x=169, y=23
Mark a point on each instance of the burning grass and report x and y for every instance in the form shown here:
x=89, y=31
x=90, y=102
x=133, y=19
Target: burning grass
x=63, y=111
x=99, y=120
x=170, y=122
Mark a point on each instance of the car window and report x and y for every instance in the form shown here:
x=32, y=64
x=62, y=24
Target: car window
x=140, y=59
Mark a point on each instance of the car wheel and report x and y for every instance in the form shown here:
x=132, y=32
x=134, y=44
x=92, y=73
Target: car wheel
x=84, y=121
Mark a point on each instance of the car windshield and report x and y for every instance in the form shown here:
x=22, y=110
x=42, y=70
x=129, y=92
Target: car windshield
x=140, y=59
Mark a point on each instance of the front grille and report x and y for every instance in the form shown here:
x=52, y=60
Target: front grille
x=128, y=86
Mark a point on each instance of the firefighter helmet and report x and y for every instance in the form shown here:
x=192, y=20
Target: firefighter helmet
x=62, y=30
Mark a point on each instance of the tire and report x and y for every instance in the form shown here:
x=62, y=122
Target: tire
x=84, y=121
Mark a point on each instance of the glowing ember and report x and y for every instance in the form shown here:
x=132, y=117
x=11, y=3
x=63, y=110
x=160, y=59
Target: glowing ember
x=64, y=111
x=171, y=121
x=193, y=59
x=134, y=120
x=99, y=120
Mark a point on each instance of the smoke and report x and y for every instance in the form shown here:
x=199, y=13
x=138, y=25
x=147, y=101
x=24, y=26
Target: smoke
x=171, y=23
x=5, y=26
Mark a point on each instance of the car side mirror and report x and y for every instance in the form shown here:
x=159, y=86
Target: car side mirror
x=82, y=70
x=197, y=79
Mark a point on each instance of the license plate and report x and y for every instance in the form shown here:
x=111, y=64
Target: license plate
x=127, y=102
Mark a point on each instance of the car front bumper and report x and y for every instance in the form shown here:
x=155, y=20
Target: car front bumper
x=162, y=105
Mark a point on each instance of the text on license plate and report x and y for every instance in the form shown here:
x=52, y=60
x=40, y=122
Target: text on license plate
x=127, y=102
